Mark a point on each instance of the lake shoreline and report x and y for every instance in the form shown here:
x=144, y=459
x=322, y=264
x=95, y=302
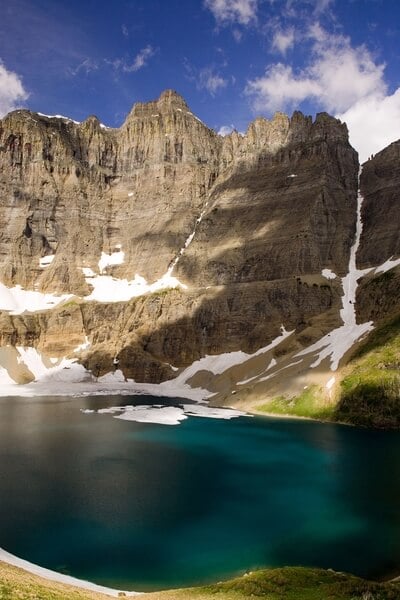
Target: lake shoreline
x=28, y=567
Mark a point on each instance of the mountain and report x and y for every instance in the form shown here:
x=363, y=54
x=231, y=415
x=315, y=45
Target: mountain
x=247, y=266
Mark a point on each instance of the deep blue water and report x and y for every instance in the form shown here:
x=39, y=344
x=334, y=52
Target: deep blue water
x=149, y=506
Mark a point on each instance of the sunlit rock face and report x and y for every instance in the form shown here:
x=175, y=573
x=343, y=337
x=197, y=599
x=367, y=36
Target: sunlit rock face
x=161, y=242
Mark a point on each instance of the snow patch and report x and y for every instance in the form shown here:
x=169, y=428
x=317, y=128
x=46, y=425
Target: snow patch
x=336, y=343
x=45, y=261
x=188, y=241
x=296, y=362
x=17, y=300
x=272, y=364
x=88, y=272
x=220, y=363
x=328, y=274
x=59, y=117
x=330, y=383
x=67, y=370
x=291, y=176
x=117, y=257
x=110, y=289
x=113, y=377
x=84, y=346
x=5, y=379
x=389, y=264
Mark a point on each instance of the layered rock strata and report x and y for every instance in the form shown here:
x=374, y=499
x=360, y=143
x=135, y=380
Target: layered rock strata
x=252, y=231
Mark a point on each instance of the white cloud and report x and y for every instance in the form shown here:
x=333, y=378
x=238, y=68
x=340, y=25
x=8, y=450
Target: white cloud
x=322, y=6
x=337, y=76
x=293, y=8
x=140, y=60
x=373, y=122
x=12, y=91
x=87, y=66
x=280, y=88
x=283, y=40
x=341, y=79
x=210, y=81
x=229, y=11
x=125, y=31
x=237, y=35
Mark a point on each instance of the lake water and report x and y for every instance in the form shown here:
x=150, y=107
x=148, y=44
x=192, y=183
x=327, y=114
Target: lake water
x=146, y=506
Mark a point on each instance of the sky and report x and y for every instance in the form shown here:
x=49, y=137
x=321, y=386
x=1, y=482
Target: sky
x=231, y=60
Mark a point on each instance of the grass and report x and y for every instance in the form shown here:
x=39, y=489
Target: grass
x=297, y=583
x=17, y=584
x=370, y=390
x=369, y=393
x=311, y=403
x=289, y=583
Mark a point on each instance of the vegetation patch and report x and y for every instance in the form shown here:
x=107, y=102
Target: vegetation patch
x=17, y=584
x=370, y=390
x=311, y=403
x=369, y=393
x=289, y=583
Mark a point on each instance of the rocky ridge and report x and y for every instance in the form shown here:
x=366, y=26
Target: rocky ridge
x=159, y=243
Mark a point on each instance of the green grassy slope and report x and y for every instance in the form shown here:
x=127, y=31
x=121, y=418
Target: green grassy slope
x=17, y=584
x=369, y=391
x=276, y=584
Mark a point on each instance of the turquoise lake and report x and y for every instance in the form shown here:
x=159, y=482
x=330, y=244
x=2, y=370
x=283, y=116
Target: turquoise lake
x=145, y=506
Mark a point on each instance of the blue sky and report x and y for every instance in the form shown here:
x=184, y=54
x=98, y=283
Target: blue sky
x=230, y=59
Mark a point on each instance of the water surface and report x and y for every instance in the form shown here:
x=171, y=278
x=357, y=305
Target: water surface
x=146, y=506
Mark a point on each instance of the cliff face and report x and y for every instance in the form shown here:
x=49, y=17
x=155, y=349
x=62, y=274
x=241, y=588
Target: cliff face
x=78, y=190
x=170, y=242
x=380, y=184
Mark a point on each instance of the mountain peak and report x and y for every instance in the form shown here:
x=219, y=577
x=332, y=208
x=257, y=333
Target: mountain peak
x=172, y=98
x=168, y=101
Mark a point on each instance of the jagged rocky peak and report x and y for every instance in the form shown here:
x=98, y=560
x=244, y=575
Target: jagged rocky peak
x=169, y=101
x=273, y=133
x=91, y=122
x=269, y=136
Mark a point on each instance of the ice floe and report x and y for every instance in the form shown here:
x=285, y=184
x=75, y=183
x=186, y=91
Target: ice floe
x=77, y=381
x=168, y=415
